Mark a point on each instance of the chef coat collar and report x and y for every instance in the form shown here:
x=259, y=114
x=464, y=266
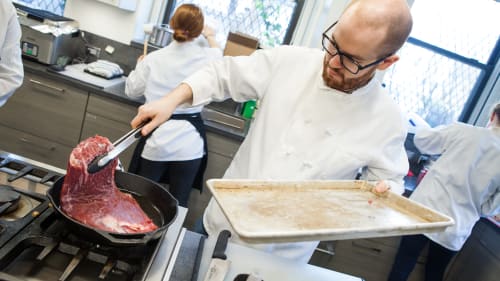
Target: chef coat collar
x=359, y=92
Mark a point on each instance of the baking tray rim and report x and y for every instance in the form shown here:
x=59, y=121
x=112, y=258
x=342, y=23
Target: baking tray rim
x=328, y=233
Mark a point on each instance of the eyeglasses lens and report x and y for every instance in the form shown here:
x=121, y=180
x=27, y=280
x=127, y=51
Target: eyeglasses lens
x=332, y=50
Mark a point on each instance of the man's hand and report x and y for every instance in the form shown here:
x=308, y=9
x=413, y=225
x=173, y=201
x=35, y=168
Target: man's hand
x=381, y=187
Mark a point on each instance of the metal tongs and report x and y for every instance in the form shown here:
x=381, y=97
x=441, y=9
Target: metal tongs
x=119, y=146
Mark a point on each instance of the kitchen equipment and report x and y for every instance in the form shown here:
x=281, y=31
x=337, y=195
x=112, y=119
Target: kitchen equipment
x=148, y=29
x=9, y=199
x=219, y=264
x=154, y=200
x=247, y=277
x=161, y=35
x=77, y=72
x=119, y=146
x=47, y=36
x=267, y=266
x=319, y=210
x=104, y=69
x=36, y=242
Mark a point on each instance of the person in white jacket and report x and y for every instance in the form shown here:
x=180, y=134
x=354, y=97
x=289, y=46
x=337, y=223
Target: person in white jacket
x=321, y=114
x=176, y=152
x=11, y=65
x=463, y=183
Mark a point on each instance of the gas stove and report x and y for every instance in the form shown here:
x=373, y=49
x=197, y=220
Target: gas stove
x=35, y=244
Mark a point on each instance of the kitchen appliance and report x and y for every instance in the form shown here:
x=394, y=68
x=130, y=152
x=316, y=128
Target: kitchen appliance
x=37, y=244
x=47, y=36
x=161, y=35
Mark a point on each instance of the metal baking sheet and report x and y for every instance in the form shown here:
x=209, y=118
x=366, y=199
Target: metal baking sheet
x=286, y=211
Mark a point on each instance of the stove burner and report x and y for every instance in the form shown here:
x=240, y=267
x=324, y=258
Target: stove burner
x=46, y=248
x=9, y=199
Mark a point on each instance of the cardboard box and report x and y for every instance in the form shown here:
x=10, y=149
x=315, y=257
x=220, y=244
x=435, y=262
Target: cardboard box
x=239, y=44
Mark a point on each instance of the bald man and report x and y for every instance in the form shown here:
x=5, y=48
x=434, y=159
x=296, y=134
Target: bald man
x=321, y=114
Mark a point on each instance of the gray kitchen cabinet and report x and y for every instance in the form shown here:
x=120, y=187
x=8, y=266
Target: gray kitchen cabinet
x=221, y=150
x=109, y=118
x=34, y=147
x=42, y=115
x=370, y=259
x=479, y=258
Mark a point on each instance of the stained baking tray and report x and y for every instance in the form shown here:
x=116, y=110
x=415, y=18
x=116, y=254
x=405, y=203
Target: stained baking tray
x=286, y=211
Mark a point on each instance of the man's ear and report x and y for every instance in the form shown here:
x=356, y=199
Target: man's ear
x=390, y=60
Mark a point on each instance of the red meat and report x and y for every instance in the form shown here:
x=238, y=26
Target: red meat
x=94, y=199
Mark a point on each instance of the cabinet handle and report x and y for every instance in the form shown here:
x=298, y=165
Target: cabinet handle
x=33, y=144
x=47, y=86
x=330, y=248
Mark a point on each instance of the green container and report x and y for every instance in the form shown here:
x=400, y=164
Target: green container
x=248, y=109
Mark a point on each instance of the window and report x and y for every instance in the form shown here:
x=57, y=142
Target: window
x=272, y=21
x=451, y=53
x=53, y=6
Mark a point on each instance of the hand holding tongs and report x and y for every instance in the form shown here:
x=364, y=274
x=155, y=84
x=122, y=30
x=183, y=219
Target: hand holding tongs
x=119, y=146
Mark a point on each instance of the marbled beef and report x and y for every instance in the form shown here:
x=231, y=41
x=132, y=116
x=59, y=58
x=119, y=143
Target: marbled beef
x=94, y=199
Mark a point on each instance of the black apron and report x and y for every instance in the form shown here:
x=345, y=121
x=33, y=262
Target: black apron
x=197, y=122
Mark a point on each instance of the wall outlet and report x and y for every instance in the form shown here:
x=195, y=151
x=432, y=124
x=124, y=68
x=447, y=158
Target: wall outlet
x=92, y=50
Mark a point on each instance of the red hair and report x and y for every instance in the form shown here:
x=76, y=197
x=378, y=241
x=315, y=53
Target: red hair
x=187, y=22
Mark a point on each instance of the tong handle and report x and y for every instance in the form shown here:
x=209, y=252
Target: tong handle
x=120, y=145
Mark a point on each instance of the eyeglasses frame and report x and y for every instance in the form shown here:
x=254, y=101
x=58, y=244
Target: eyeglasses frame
x=341, y=54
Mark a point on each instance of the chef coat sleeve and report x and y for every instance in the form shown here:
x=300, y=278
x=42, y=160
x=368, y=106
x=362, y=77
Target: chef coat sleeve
x=392, y=165
x=241, y=78
x=136, y=80
x=492, y=205
x=431, y=140
x=11, y=66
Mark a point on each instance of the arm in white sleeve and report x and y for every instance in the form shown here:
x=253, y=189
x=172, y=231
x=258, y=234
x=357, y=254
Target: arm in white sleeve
x=241, y=78
x=492, y=205
x=11, y=66
x=431, y=140
x=391, y=167
x=136, y=80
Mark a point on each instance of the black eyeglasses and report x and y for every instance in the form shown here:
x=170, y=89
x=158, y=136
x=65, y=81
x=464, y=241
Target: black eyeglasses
x=349, y=63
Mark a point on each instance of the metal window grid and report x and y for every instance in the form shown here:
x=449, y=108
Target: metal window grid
x=272, y=21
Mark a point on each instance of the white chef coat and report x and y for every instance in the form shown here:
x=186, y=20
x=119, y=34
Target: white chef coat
x=302, y=128
x=11, y=66
x=154, y=77
x=464, y=182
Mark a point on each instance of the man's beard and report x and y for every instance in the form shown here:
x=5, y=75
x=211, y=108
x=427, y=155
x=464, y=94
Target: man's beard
x=341, y=83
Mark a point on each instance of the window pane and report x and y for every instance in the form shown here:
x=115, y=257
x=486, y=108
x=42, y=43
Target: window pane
x=469, y=28
x=431, y=85
x=267, y=20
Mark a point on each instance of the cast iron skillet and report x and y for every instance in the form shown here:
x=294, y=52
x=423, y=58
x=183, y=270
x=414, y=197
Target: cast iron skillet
x=155, y=200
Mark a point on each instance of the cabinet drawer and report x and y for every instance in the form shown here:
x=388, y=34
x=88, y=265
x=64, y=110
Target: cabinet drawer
x=113, y=130
x=221, y=145
x=46, y=109
x=34, y=147
x=111, y=109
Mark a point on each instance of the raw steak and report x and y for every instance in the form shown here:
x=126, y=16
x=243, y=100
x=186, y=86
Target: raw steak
x=94, y=199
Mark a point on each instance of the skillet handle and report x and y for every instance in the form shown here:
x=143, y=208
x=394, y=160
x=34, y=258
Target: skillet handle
x=139, y=238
